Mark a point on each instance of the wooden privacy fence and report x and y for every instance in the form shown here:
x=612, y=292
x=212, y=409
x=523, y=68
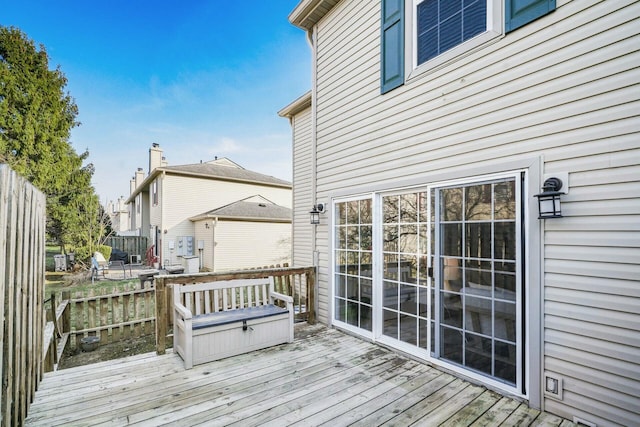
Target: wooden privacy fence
x=113, y=314
x=22, y=255
x=133, y=245
x=296, y=282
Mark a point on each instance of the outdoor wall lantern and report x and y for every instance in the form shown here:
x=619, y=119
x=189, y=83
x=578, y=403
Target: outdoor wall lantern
x=315, y=213
x=549, y=199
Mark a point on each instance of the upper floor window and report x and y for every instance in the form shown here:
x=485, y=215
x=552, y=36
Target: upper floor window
x=444, y=24
x=418, y=35
x=154, y=192
x=444, y=29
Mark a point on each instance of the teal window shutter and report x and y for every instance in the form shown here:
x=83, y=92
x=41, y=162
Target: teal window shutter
x=392, y=45
x=521, y=12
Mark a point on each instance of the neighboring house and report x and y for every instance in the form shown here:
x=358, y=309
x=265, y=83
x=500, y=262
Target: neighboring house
x=167, y=206
x=429, y=130
x=118, y=212
x=264, y=227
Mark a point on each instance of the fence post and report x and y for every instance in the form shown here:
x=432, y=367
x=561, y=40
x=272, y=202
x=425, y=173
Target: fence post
x=51, y=314
x=66, y=314
x=161, y=315
x=54, y=338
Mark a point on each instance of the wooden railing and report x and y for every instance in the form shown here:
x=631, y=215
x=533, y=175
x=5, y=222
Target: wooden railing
x=111, y=314
x=296, y=282
x=112, y=317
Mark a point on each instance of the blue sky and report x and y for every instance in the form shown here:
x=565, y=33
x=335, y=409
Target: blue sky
x=201, y=78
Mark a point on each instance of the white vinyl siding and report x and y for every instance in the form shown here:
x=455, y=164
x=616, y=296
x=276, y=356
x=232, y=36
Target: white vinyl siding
x=563, y=89
x=186, y=197
x=592, y=296
x=302, y=189
x=243, y=244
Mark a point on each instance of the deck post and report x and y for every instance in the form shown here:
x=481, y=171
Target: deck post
x=161, y=315
x=311, y=289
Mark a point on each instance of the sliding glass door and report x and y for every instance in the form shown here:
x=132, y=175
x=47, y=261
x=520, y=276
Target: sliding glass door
x=438, y=270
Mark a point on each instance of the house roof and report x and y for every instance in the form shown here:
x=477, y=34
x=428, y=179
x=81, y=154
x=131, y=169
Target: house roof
x=219, y=169
x=296, y=106
x=255, y=208
x=226, y=173
x=308, y=12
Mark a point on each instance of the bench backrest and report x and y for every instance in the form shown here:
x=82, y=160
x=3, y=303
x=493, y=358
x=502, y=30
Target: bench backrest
x=211, y=297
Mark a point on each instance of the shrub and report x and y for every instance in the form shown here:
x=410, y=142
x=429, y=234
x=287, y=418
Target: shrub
x=105, y=251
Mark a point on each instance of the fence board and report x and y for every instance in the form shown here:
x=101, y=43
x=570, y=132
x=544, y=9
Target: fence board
x=115, y=314
x=104, y=320
x=22, y=228
x=4, y=226
x=133, y=245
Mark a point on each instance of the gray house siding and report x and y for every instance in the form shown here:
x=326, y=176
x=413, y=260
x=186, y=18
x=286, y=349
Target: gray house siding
x=302, y=189
x=564, y=89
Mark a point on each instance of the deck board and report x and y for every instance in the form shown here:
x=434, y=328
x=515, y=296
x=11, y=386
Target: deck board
x=324, y=377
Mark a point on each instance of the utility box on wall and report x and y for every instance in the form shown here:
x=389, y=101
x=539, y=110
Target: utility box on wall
x=185, y=246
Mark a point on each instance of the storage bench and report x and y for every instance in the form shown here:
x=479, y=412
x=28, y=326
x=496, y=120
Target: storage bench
x=222, y=319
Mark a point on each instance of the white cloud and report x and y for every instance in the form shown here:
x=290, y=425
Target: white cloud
x=225, y=146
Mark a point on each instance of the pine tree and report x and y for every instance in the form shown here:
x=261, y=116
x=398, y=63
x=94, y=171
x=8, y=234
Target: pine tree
x=36, y=119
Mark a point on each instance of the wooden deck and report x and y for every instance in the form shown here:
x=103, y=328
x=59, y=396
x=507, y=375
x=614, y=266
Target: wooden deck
x=324, y=378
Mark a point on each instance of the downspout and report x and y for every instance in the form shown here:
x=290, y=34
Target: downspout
x=161, y=201
x=292, y=124
x=313, y=40
x=213, y=244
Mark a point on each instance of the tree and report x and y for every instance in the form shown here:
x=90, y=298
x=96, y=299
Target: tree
x=36, y=118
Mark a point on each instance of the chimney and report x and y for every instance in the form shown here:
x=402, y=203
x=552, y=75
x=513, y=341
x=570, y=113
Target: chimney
x=139, y=177
x=164, y=161
x=155, y=157
x=132, y=185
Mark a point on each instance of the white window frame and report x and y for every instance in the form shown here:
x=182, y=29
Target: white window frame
x=494, y=25
x=332, y=290
x=154, y=192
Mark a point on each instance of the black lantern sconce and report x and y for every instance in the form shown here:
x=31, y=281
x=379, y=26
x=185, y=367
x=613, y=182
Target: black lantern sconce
x=314, y=214
x=549, y=199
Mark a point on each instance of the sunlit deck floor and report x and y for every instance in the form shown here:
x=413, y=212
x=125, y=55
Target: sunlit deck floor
x=324, y=378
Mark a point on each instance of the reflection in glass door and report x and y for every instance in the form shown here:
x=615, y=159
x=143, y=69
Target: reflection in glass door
x=477, y=231
x=405, y=284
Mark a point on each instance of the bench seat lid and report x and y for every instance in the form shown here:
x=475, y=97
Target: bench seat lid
x=224, y=317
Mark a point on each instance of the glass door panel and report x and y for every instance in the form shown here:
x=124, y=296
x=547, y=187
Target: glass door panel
x=353, y=270
x=476, y=232
x=405, y=303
